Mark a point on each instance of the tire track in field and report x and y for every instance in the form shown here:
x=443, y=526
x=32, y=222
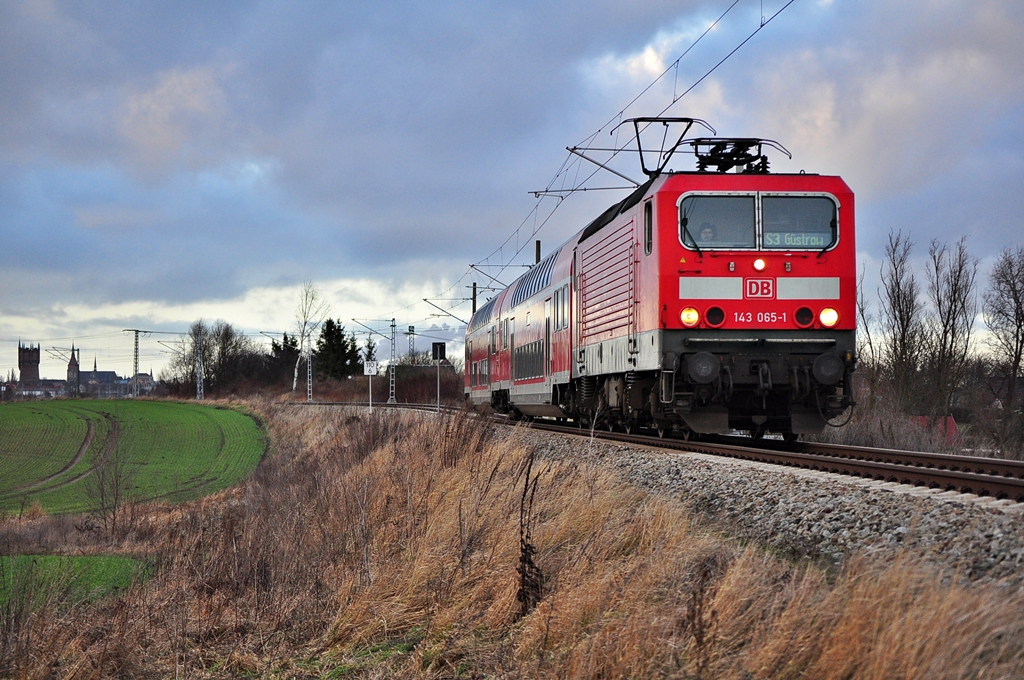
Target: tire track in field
x=199, y=482
x=90, y=434
x=108, y=446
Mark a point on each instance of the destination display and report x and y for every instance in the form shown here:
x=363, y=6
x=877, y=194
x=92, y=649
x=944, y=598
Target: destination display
x=798, y=222
x=793, y=239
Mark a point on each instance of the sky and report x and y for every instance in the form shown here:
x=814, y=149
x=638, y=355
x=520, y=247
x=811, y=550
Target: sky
x=172, y=161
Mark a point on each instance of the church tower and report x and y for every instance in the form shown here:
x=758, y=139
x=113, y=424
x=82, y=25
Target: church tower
x=73, y=384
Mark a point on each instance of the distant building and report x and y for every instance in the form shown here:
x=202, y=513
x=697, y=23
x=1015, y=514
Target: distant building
x=29, y=386
x=101, y=384
x=46, y=389
x=147, y=385
x=28, y=365
x=73, y=386
x=95, y=384
x=946, y=424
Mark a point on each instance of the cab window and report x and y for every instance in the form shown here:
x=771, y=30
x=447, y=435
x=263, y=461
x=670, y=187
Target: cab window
x=798, y=222
x=648, y=227
x=717, y=222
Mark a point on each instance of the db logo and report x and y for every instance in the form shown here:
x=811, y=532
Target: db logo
x=759, y=288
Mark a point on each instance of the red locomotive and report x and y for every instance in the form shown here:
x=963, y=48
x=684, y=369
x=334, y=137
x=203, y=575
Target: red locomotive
x=703, y=302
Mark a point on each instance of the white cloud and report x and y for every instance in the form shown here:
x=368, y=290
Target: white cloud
x=891, y=115
x=620, y=75
x=115, y=219
x=98, y=329
x=171, y=118
x=159, y=154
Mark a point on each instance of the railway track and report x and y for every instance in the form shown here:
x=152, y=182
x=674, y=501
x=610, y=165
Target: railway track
x=1000, y=479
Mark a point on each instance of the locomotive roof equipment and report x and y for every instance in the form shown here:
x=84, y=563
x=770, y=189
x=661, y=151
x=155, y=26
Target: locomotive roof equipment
x=703, y=301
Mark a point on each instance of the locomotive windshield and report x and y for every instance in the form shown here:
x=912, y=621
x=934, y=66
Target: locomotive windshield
x=798, y=222
x=717, y=221
x=734, y=222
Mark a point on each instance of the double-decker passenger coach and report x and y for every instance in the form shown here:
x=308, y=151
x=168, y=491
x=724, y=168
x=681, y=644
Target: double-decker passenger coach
x=704, y=302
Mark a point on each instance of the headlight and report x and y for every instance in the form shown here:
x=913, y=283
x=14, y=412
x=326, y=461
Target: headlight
x=690, y=317
x=760, y=264
x=828, y=317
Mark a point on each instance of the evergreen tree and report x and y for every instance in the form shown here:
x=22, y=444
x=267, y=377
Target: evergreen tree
x=369, y=350
x=282, y=358
x=337, y=355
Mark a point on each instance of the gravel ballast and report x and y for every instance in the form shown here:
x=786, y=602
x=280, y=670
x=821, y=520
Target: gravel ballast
x=819, y=515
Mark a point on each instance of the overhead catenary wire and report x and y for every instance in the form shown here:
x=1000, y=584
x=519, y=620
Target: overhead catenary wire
x=565, y=181
x=569, y=163
x=573, y=163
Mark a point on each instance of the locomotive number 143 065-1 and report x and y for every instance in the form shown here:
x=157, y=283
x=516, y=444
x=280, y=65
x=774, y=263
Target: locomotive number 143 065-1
x=759, y=317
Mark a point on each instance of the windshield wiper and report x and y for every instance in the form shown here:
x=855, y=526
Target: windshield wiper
x=834, y=234
x=686, y=234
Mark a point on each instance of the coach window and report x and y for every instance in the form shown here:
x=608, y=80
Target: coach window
x=560, y=309
x=798, y=222
x=711, y=222
x=565, y=306
x=648, y=227
x=556, y=301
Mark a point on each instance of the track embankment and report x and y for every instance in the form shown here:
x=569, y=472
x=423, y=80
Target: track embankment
x=822, y=501
x=808, y=513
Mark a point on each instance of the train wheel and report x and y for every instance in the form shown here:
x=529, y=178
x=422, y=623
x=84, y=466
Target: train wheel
x=630, y=426
x=663, y=428
x=790, y=437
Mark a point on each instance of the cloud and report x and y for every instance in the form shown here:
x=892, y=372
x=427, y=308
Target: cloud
x=117, y=219
x=175, y=116
x=918, y=116
x=259, y=311
x=892, y=128
x=179, y=157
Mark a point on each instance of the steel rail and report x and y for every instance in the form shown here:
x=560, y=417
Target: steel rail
x=918, y=474
x=964, y=474
x=941, y=461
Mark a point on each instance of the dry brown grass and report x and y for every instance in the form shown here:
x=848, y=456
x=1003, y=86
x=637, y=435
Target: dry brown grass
x=887, y=427
x=387, y=546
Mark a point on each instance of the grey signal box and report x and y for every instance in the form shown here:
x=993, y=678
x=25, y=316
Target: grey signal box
x=438, y=351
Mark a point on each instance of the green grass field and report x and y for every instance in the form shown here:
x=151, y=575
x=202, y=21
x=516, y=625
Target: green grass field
x=34, y=578
x=172, y=450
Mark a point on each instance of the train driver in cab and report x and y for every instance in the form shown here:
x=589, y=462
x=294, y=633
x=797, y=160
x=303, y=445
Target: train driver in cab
x=708, y=234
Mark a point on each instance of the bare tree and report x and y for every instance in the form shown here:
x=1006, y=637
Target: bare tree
x=867, y=352
x=229, y=357
x=184, y=364
x=902, y=320
x=1004, y=316
x=309, y=315
x=110, y=488
x=952, y=273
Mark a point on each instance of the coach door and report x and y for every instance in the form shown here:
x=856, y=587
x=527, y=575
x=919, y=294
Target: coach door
x=634, y=256
x=492, y=349
x=577, y=309
x=511, y=353
x=547, y=341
